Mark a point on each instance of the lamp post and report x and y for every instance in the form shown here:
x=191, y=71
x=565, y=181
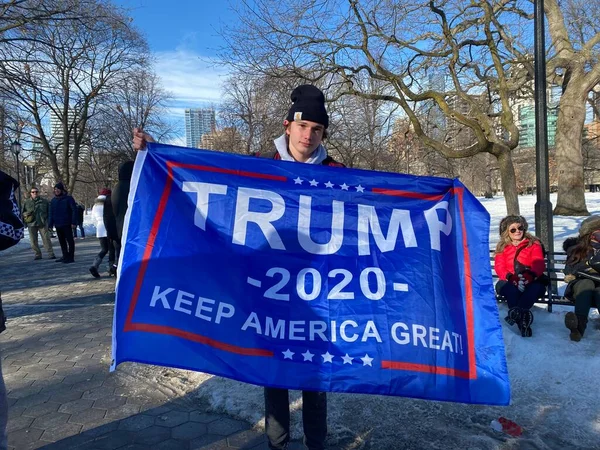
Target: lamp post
x=16, y=149
x=544, y=228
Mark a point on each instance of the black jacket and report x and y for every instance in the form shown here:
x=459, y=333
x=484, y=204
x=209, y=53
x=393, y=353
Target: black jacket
x=109, y=219
x=63, y=211
x=80, y=214
x=120, y=194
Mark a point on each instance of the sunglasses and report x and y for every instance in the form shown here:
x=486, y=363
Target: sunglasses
x=34, y=192
x=514, y=230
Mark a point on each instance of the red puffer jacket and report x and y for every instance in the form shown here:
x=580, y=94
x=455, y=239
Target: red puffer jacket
x=533, y=257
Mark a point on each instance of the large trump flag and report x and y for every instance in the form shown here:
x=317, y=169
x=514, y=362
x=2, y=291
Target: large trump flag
x=308, y=277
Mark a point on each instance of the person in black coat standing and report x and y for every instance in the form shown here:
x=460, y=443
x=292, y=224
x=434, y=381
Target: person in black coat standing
x=110, y=223
x=11, y=232
x=63, y=217
x=121, y=194
x=80, y=217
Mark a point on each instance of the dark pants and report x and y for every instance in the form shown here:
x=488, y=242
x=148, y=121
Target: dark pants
x=67, y=244
x=117, y=245
x=587, y=296
x=107, y=246
x=277, y=418
x=516, y=298
x=81, y=228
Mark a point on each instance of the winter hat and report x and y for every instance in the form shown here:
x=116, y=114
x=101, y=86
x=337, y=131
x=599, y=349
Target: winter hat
x=60, y=186
x=308, y=104
x=504, y=223
x=105, y=191
x=589, y=225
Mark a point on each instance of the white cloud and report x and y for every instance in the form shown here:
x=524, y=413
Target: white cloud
x=193, y=81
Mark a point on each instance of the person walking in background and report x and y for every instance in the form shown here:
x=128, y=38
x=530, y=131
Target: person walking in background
x=121, y=194
x=80, y=214
x=110, y=224
x=11, y=232
x=106, y=244
x=519, y=264
x=63, y=217
x=582, y=272
x=36, y=210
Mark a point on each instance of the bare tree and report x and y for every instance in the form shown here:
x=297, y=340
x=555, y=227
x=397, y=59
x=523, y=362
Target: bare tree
x=402, y=45
x=574, y=63
x=63, y=73
x=14, y=14
x=256, y=106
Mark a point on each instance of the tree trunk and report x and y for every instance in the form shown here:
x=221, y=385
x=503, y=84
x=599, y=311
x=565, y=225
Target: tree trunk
x=509, y=182
x=569, y=160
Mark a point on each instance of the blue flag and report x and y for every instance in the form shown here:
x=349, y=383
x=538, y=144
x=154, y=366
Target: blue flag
x=309, y=277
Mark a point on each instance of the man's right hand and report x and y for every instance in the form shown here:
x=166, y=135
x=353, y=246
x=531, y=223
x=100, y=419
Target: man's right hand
x=140, y=139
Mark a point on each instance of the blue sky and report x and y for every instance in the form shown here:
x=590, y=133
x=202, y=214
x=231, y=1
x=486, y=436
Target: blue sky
x=183, y=37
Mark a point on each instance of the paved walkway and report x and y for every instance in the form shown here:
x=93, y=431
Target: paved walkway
x=56, y=353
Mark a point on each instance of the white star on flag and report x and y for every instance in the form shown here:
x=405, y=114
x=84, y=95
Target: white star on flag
x=308, y=356
x=344, y=187
x=327, y=357
x=329, y=184
x=298, y=180
x=359, y=188
x=367, y=360
x=313, y=182
x=288, y=354
x=347, y=359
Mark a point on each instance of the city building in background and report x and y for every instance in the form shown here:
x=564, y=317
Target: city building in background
x=198, y=122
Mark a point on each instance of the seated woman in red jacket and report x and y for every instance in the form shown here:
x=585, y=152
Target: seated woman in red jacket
x=519, y=262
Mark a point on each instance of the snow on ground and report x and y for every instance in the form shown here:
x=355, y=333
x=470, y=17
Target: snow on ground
x=553, y=381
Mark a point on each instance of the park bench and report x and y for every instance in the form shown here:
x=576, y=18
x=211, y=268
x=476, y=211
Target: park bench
x=555, y=262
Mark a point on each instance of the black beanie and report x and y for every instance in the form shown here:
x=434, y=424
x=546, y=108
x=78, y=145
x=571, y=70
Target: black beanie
x=60, y=186
x=308, y=104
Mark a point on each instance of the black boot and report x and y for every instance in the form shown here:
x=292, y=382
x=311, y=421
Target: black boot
x=514, y=316
x=572, y=323
x=582, y=324
x=576, y=324
x=94, y=268
x=525, y=323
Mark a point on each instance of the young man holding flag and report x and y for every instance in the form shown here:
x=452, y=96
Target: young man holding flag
x=305, y=128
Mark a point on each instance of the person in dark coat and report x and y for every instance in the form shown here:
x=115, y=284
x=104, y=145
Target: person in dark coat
x=80, y=214
x=63, y=217
x=12, y=229
x=110, y=223
x=11, y=232
x=120, y=195
x=582, y=272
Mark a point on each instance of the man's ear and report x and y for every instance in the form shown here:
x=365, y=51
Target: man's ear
x=286, y=124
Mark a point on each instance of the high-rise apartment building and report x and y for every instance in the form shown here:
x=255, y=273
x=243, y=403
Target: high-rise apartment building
x=56, y=129
x=198, y=122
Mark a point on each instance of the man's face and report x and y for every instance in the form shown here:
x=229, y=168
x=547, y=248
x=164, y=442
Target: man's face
x=57, y=192
x=34, y=193
x=304, y=138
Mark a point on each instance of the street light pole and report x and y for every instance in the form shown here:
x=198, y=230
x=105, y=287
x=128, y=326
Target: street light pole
x=16, y=149
x=543, y=208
